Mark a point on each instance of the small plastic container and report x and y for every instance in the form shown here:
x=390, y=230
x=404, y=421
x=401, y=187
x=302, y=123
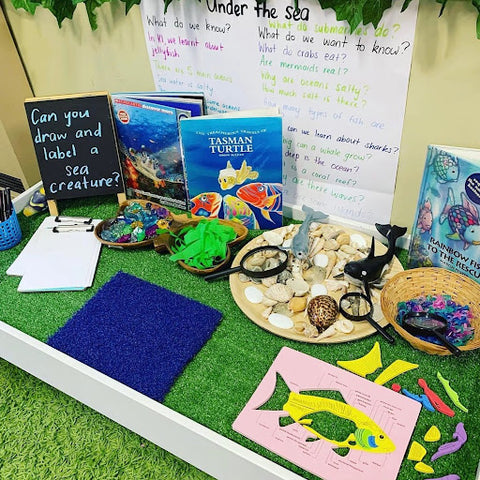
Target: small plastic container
x=10, y=233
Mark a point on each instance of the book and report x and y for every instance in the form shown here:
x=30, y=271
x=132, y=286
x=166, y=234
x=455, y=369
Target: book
x=149, y=145
x=233, y=164
x=446, y=229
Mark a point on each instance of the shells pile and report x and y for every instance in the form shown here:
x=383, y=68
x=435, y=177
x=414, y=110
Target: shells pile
x=304, y=297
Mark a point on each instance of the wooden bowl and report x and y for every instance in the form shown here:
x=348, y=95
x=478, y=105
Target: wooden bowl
x=431, y=281
x=174, y=219
x=165, y=242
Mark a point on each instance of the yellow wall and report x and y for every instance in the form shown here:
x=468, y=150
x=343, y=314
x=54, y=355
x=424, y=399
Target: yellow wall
x=443, y=97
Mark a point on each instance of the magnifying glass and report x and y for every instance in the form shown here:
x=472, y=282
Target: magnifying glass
x=356, y=306
x=427, y=324
x=260, y=262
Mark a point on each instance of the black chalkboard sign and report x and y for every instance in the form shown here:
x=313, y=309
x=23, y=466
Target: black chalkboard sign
x=75, y=143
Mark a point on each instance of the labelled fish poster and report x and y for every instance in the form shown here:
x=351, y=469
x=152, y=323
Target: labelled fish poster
x=234, y=167
x=149, y=148
x=328, y=421
x=341, y=92
x=446, y=230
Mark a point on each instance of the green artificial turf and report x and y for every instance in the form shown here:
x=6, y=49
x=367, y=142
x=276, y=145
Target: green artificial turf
x=216, y=385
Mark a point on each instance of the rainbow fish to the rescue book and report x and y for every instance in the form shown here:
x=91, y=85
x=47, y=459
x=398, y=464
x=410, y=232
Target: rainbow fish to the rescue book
x=302, y=409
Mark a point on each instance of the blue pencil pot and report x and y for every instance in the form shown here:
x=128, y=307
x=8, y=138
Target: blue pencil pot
x=10, y=233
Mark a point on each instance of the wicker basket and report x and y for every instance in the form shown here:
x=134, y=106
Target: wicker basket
x=431, y=281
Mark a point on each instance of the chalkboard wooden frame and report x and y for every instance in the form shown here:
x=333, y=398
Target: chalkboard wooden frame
x=75, y=142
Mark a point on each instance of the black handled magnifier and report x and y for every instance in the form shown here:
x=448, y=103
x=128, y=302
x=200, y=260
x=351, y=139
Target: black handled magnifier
x=427, y=324
x=260, y=262
x=356, y=306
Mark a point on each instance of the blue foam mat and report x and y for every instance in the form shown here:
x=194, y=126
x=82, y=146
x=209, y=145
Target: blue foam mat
x=138, y=333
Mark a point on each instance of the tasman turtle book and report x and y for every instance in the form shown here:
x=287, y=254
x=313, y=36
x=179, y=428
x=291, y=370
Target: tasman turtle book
x=234, y=166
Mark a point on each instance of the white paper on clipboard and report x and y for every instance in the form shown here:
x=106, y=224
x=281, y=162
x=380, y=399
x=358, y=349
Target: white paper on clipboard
x=54, y=261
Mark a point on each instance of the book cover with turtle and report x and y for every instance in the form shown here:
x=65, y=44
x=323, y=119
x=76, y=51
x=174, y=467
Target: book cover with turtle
x=234, y=166
x=446, y=230
x=149, y=147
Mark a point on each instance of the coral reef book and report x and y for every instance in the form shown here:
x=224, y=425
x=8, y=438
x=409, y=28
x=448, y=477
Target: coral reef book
x=234, y=166
x=149, y=148
x=446, y=231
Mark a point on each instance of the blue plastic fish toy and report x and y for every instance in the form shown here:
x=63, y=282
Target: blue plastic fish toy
x=371, y=268
x=300, y=241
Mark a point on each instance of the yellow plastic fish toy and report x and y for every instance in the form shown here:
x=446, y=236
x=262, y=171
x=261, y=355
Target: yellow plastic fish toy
x=229, y=177
x=367, y=436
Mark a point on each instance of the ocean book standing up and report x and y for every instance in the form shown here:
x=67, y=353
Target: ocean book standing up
x=446, y=231
x=148, y=137
x=234, y=166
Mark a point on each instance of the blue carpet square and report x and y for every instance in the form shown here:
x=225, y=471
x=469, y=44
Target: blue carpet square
x=138, y=333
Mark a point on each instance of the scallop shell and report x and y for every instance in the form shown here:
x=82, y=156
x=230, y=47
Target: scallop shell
x=279, y=292
x=253, y=294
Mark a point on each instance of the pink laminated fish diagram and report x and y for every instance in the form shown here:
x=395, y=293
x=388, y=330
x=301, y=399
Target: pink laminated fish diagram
x=382, y=420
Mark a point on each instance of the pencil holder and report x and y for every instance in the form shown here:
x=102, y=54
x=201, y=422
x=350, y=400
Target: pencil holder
x=10, y=233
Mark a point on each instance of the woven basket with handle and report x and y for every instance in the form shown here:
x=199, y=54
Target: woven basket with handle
x=431, y=281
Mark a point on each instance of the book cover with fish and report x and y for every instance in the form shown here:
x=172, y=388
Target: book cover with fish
x=150, y=153
x=234, y=166
x=328, y=421
x=446, y=229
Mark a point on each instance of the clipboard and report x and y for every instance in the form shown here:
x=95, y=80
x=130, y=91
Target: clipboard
x=61, y=255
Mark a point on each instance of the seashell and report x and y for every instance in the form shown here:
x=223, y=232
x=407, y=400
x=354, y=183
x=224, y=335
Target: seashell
x=343, y=239
x=318, y=289
x=269, y=281
x=282, y=277
x=271, y=263
x=332, y=260
x=300, y=327
x=358, y=241
x=310, y=331
x=282, y=308
x=316, y=246
x=280, y=321
x=346, y=248
x=299, y=286
x=314, y=274
x=279, y=292
x=320, y=260
x=329, y=332
x=273, y=238
x=268, y=302
x=337, y=270
x=266, y=313
x=343, y=325
x=332, y=233
x=331, y=244
x=287, y=243
x=243, y=278
x=336, y=285
x=256, y=260
x=322, y=311
x=297, y=304
x=253, y=294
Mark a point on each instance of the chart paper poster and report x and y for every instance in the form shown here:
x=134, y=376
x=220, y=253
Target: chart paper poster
x=341, y=93
x=388, y=418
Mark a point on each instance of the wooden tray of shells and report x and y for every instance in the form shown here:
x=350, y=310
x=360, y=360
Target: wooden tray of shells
x=283, y=311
